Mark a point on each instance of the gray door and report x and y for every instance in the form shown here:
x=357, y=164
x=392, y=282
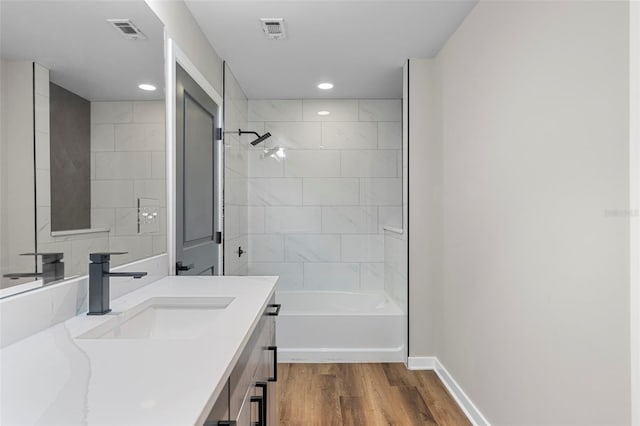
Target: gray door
x=197, y=236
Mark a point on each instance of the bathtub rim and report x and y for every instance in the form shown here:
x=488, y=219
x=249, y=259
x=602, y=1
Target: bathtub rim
x=391, y=308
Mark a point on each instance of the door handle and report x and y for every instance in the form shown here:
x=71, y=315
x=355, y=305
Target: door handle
x=275, y=363
x=180, y=267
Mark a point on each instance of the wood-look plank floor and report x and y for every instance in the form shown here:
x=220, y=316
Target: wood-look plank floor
x=363, y=395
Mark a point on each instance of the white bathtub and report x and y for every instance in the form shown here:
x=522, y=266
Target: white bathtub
x=332, y=326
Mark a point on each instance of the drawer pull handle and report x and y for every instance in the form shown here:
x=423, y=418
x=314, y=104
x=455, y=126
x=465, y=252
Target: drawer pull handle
x=260, y=402
x=275, y=363
x=265, y=405
x=277, y=311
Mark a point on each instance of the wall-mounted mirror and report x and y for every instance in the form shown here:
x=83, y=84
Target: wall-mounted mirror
x=82, y=141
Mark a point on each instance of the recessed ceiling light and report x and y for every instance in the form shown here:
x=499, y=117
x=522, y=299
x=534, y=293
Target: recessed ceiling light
x=325, y=86
x=147, y=87
x=323, y=113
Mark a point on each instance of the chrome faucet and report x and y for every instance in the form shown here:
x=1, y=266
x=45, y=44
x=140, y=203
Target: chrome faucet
x=99, y=274
x=52, y=268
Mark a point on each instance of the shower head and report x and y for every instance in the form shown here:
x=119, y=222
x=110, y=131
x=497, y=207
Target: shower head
x=257, y=141
x=261, y=139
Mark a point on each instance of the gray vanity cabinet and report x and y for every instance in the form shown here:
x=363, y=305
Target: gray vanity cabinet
x=250, y=395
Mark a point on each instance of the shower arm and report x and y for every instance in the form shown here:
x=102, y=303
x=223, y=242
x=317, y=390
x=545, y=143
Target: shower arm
x=243, y=132
x=259, y=139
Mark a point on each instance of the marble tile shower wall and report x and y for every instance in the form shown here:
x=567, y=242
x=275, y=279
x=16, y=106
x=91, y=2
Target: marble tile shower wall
x=316, y=217
x=235, y=178
x=128, y=163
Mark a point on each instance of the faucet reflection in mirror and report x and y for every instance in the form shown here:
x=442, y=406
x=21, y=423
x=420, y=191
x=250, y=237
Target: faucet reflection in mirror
x=52, y=268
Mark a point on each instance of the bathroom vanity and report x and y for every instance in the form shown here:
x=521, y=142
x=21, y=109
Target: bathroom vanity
x=182, y=350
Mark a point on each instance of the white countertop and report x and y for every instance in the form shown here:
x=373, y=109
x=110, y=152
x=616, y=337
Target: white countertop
x=54, y=378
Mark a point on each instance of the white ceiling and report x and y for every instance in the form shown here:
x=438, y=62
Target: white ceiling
x=84, y=53
x=360, y=46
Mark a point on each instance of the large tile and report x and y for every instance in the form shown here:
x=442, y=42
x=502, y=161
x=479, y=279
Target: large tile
x=339, y=109
x=234, y=218
x=266, y=248
x=139, y=137
x=350, y=220
x=390, y=135
x=390, y=216
x=111, y=112
x=80, y=249
x=236, y=159
x=293, y=220
x=103, y=137
x=112, y=193
x=369, y=163
x=331, y=276
x=290, y=274
x=275, y=192
x=159, y=244
x=236, y=190
x=395, y=285
x=256, y=219
x=137, y=247
x=381, y=191
x=259, y=166
x=395, y=254
x=363, y=248
x=156, y=189
x=158, y=165
x=372, y=277
x=312, y=248
x=330, y=191
x=149, y=112
x=316, y=163
x=350, y=135
x=126, y=221
x=298, y=135
x=380, y=109
x=234, y=262
x=123, y=165
x=103, y=218
x=275, y=110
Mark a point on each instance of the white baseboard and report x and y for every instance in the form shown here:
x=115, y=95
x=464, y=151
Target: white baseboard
x=462, y=399
x=319, y=355
x=422, y=363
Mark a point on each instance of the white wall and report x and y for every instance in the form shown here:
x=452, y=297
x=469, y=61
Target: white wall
x=634, y=178
x=535, y=133
x=316, y=217
x=183, y=28
x=424, y=208
x=236, y=172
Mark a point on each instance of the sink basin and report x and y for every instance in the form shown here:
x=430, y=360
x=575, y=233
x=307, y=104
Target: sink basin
x=163, y=318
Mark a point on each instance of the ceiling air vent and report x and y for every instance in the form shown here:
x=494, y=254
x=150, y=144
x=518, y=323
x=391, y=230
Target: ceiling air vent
x=127, y=29
x=273, y=28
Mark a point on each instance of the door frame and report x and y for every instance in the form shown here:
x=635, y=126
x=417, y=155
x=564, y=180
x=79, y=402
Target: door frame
x=174, y=55
x=634, y=198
